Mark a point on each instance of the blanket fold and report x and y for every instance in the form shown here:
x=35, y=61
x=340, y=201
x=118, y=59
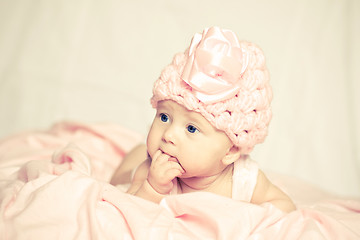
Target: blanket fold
x=54, y=185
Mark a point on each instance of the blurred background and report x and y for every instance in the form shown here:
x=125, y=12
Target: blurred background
x=96, y=61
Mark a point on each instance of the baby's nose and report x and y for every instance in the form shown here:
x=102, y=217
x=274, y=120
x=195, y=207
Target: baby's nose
x=169, y=135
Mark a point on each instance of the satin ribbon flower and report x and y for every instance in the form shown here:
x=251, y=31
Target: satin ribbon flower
x=215, y=64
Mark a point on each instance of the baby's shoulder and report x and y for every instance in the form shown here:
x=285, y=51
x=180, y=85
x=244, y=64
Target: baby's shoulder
x=245, y=178
x=246, y=168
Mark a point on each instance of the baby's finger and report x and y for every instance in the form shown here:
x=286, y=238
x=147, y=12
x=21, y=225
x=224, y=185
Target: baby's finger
x=161, y=159
x=173, y=173
x=156, y=155
x=173, y=163
x=160, y=171
x=170, y=170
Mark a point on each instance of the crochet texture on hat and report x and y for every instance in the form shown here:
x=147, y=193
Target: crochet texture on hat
x=244, y=117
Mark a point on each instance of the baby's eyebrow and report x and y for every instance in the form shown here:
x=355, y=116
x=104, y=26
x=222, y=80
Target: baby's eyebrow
x=198, y=120
x=163, y=105
x=163, y=109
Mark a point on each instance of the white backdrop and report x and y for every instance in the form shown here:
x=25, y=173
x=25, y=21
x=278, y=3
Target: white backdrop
x=97, y=60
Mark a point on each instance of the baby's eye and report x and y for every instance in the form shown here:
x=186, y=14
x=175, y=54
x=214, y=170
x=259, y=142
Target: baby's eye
x=164, y=117
x=192, y=129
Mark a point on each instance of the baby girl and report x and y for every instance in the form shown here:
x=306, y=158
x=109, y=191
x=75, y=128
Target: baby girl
x=213, y=106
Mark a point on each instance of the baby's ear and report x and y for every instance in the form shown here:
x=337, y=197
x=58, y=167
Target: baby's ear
x=232, y=155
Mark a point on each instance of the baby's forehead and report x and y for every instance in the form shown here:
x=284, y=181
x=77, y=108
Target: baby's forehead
x=173, y=106
x=176, y=107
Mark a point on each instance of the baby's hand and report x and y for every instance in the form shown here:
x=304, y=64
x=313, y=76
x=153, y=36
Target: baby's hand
x=162, y=171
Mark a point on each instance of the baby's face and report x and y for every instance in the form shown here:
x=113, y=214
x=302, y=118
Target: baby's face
x=188, y=137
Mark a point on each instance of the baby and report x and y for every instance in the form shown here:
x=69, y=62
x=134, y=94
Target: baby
x=213, y=106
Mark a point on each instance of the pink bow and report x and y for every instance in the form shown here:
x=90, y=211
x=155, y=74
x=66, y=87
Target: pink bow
x=214, y=65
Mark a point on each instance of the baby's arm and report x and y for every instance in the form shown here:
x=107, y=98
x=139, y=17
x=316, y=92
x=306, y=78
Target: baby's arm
x=133, y=159
x=141, y=187
x=265, y=191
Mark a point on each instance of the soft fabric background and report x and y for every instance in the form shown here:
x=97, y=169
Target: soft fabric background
x=97, y=60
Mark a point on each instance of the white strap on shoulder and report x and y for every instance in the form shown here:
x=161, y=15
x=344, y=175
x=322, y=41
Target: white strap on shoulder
x=244, y=179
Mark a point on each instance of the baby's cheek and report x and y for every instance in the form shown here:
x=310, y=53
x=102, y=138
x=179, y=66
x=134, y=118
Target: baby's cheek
x=191, y=157
x=152, y=147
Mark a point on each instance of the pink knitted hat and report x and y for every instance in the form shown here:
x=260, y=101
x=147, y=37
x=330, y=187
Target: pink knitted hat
x=223, y=79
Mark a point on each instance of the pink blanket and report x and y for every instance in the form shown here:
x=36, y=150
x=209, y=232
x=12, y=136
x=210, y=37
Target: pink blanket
x=54, y=185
